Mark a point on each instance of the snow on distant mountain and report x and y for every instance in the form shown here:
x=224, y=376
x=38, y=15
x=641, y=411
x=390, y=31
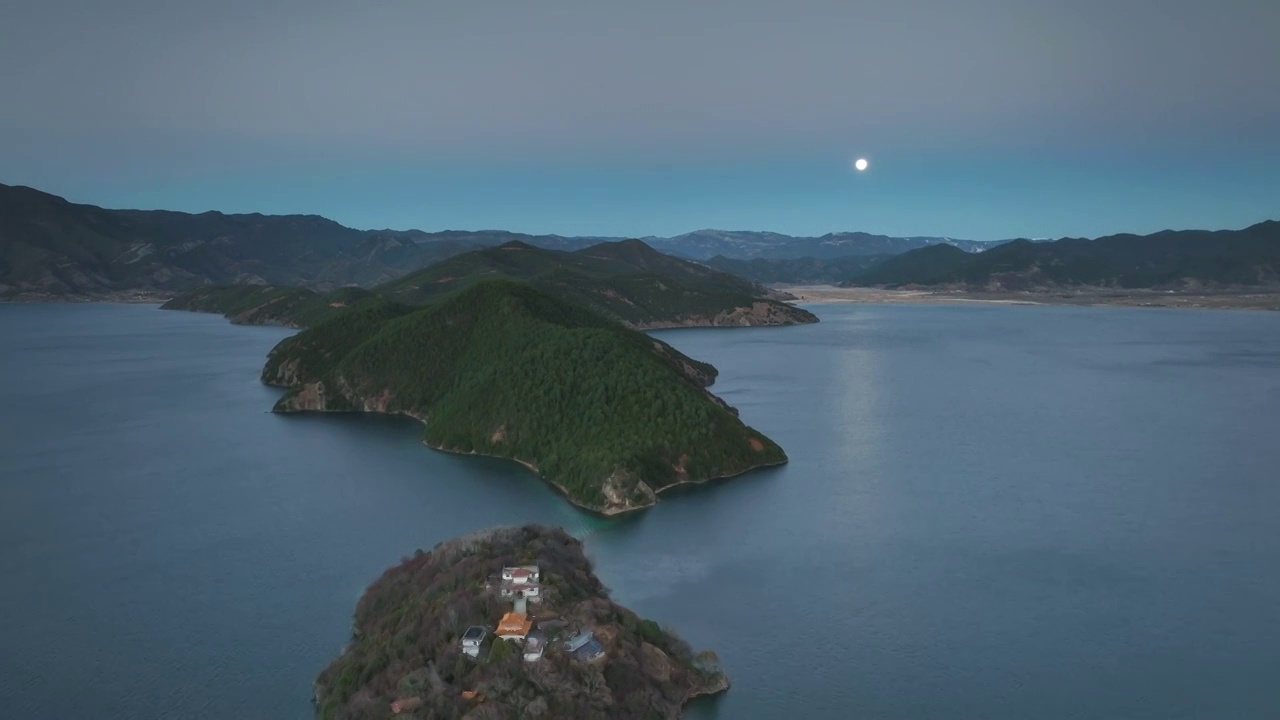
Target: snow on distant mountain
x=749, y=245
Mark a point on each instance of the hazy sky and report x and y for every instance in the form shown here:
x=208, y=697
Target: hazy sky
x=981, y=119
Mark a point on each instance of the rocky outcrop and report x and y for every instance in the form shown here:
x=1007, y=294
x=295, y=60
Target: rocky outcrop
x=624, y=492
x=701, y=374
x=759, y=313
x=310, y=397
x=715, y=685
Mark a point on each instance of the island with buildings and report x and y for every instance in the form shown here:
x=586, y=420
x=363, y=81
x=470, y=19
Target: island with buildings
x=510, y=622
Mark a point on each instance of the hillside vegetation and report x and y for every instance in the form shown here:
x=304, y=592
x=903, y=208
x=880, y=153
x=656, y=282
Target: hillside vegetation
x=408, y=624
x=627, y=281
x=609, y=415
x=1170, y=259
x=267, y=304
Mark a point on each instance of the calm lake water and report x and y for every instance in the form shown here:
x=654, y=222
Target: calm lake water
x=991, y=512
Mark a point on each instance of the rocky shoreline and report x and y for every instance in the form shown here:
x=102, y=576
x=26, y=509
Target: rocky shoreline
x=311, y=397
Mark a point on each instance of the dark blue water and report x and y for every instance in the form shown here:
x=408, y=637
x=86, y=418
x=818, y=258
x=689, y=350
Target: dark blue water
x=991, y=512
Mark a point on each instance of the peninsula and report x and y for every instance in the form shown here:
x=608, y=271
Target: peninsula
x=606, y=414
x=509, y=622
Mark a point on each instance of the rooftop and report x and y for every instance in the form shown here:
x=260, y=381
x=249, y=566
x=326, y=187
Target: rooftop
x=579, y=640
x=592, y=649
x=514, y=624
x=474, y=632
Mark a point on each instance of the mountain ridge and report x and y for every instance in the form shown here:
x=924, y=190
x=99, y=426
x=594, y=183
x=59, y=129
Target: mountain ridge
x=1168, y=259
x=53, y=248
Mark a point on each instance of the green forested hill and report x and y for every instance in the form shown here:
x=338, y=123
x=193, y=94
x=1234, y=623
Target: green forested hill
x=1226, y=258
x=626, y=281
x=608, y=414
x=267, y=304
x=408, y=625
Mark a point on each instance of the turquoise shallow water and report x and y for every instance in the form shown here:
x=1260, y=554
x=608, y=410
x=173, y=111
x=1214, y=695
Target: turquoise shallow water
x=991, y=512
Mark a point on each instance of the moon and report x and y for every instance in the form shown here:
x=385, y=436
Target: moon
x=860, y=164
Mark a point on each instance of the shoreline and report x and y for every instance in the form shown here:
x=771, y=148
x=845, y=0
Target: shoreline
x=599, y=512
x=81, y=300
x=1082, y=297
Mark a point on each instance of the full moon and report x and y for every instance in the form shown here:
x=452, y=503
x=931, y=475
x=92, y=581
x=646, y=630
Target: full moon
x=861, y=164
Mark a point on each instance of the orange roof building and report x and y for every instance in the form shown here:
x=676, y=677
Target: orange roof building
x=404, y=705
x=514, y=626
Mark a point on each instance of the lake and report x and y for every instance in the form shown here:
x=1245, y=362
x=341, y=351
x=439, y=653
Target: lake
x=990, y=512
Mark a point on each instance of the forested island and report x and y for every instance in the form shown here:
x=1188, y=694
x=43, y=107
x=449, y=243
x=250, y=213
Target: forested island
x=626, y=281
x=507, y=623
x=607, y=414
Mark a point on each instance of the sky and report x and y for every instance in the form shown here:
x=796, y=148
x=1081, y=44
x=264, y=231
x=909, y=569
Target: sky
x=983, y=119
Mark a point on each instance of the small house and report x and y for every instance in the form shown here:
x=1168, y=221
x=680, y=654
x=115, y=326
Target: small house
x=472, y=638
x=529, y=591
x=584, y=646
x=520, y=574
x=534, y=646
x=514, y=626
x=522, y=581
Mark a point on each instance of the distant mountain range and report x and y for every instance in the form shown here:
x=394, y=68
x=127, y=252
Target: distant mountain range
x=50, y=247
x=1164, y=260
x=747, y=245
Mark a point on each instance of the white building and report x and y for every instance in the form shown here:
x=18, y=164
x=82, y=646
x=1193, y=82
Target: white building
x=520, y=574
x=533, y=647
x=522, y=581
x=471, y=640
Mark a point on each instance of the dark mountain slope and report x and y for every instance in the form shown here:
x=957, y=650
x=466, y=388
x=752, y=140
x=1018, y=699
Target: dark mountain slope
x=927, y=265
x=799, y=271
x=627, y=281
x=1168, y=259
x=49, y=246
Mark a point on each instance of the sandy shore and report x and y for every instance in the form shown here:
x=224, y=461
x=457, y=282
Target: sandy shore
x=1227, y=300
